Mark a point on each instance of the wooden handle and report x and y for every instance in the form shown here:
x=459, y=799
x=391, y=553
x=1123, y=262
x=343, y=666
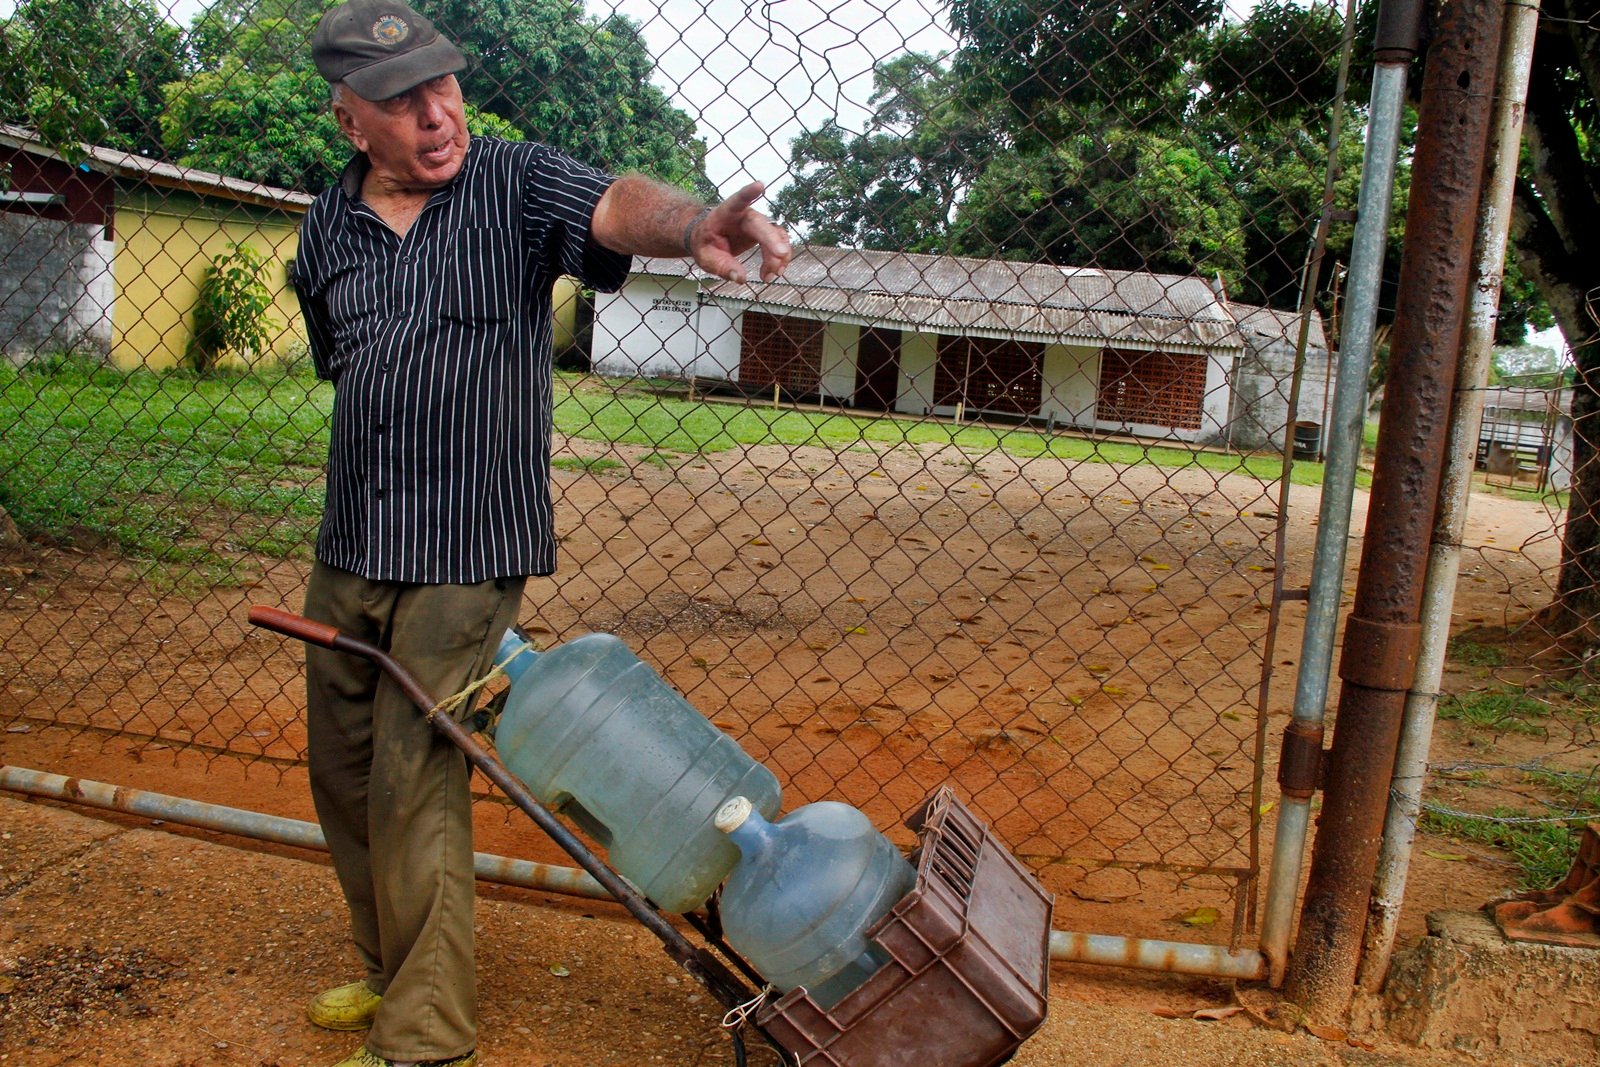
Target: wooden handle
x=296, y=626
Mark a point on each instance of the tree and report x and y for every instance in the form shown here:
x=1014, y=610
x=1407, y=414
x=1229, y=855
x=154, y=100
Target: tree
x=1556, y=209
x=256, y=107
x=576, y=83
x=1122, y=199
x=1050, y=61
x=88, y=71
x=895, y=187
x=1142, y=137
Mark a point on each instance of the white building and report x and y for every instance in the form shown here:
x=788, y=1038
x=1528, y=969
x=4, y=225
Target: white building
x=1117, y=351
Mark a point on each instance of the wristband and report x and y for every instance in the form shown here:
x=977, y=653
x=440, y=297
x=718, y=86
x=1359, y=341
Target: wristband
x=688, y=231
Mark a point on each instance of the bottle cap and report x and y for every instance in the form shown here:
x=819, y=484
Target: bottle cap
x=732, y=814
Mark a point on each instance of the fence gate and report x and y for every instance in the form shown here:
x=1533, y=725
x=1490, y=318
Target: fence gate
x=1056, y=596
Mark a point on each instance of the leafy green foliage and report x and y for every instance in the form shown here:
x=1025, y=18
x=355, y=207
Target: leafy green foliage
x=88, y=71
x=575, y=82
x=1156, y=137
x=1048, y=62
x=230, y=315
x=896, y=187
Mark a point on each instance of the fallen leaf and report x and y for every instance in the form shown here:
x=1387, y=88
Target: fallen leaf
x=1204, y=916
x=559, y=971
x=1326, y=1033
x=1213, y=1014
x=1453, y=857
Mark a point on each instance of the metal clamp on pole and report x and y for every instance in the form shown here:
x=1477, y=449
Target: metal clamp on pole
x=1300, y=763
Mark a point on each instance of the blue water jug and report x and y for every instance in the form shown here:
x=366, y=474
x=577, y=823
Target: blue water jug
x=600, y=737
x=804, y=893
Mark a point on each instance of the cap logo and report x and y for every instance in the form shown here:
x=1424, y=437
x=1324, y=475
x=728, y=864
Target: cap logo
x=390, y=30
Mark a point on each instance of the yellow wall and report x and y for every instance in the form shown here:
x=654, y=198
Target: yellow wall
x=565, y=311
x=164, y=240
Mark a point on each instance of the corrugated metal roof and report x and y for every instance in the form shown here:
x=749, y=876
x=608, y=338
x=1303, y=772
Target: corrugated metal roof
x=955, y=293
x=1514, y=398
x=1276, y=324
x=129, y=165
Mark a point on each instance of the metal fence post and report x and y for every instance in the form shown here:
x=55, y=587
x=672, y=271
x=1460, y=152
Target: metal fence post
x=1381, y=635
x=1395, y=47
x=1411, y=764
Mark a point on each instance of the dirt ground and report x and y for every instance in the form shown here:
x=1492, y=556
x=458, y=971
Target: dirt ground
x=123, y=944
x=875, y=673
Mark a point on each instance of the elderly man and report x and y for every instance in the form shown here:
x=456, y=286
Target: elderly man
x=425, y=276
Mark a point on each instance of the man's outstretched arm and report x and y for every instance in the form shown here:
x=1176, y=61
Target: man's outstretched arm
x=641, y=217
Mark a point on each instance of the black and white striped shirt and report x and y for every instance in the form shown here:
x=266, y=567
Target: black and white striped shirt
x=438, y=345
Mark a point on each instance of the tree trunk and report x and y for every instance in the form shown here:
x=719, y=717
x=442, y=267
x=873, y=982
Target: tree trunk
x=1554, y=219
x=9, y=534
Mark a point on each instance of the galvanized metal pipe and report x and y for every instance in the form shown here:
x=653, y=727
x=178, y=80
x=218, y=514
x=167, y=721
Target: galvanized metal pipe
x=1280, y=533
x=1171, y=956
x=1396, y=46
x=274, y=828
x=1378, y=664
x=1174, y=957
x=1477, y=350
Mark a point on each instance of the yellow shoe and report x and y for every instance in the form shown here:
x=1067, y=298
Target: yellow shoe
x=349, y=1007
x=363, y=1058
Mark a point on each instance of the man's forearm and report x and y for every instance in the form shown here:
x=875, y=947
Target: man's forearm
x=641, y=217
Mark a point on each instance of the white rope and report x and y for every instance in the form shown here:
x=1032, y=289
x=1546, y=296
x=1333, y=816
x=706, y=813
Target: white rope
x=738, y=1016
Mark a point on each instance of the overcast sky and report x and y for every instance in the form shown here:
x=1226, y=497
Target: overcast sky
x=754, y=75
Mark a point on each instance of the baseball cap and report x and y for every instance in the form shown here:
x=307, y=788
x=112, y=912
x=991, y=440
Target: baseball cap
x=381, y=48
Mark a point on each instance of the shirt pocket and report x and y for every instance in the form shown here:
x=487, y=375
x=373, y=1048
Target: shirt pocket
x=482, y=275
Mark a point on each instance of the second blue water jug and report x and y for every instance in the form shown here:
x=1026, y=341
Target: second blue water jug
x=600, y=737
x=806, y=890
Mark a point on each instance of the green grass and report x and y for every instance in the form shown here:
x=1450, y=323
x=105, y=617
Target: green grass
x=1542, y=851
x=192, y=475
x=1500, y=710
x=1581, y=791
x=1475, y=655
x=172, y=469
x=672, y=424
x=587, y=464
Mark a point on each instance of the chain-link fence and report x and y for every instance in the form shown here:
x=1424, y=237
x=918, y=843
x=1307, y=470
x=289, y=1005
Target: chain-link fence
x=988, y=490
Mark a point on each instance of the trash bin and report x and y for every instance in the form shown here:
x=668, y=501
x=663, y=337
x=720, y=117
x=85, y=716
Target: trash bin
x=1307, y=440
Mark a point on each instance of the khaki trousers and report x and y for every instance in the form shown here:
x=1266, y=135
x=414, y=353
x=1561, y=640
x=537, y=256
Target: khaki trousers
x=392, y=795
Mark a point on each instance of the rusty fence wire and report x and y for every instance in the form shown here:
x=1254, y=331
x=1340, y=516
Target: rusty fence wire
x=988, y=491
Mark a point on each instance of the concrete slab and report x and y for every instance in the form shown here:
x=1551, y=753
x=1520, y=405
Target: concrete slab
x=1466, y=987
